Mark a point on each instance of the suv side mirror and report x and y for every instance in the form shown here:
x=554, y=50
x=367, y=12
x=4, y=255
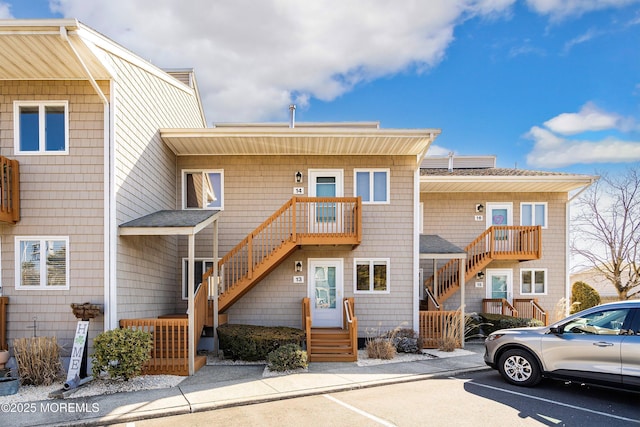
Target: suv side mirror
x=557, y=330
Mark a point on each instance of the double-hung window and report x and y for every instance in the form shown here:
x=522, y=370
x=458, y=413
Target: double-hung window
x=371, y=275
x=372, y=185
x=203, y=189
x=533, y=281
x=41, y=127
x=42, y=263
x=533, y=214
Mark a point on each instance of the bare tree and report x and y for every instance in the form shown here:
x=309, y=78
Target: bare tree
x=606, y=230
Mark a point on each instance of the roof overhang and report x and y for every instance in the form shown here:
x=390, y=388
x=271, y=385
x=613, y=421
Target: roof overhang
x=308, y=141
x=47, y=49
x=504, y=184
x=170, y=223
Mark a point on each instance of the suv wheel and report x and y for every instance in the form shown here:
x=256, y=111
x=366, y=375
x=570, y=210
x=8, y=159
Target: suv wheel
x=519, y=367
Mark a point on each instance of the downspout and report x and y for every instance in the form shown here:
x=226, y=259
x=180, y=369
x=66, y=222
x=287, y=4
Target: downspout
x=110, y=313
x=567, y=290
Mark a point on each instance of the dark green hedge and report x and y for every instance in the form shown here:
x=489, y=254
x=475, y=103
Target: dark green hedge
x=252, y=343
x=499, y=321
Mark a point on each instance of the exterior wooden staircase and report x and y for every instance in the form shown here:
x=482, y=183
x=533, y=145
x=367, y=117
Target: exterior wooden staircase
x=520, y=243
x=332, y=344
x=300, y=221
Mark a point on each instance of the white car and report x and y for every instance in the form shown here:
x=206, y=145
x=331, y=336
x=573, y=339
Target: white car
x=599, y=345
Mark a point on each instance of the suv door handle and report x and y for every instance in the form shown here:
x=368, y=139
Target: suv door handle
x=603, y=344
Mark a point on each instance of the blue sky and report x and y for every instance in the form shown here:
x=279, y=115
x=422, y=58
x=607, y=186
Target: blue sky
x=542, y=84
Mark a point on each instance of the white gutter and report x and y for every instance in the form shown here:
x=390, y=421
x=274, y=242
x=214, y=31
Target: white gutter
x=110, y=300
x=567, y=267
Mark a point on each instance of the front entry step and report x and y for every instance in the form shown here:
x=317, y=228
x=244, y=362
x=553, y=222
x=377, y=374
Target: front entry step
x=331, y=345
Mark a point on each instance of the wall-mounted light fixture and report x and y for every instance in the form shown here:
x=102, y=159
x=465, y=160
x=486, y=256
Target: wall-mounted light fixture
x=298, y=177
x=480, y=275
x=479, y=207
x=298, y=266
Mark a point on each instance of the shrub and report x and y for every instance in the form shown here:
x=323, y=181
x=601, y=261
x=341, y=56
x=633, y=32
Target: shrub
x=494, y=322
x=583, y=296
x=38, y=360
x=121, y=353
x=286, y=358
x=380, y=348
x=252, y=343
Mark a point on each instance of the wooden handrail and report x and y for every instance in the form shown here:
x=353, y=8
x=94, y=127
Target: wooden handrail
x=306, y=321
x=350, y=322
x=496, y=242
x=4, y=301
x=300, y=220
x=9, y=190
x=499, y=306
x=531, y=308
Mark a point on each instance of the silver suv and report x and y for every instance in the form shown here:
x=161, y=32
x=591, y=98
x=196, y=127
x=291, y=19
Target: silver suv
x=600, y=346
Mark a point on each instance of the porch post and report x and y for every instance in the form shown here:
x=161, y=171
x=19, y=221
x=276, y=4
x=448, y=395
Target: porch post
x=191, y=310
x=435, y=278
x=463, y=263
x=216, y=282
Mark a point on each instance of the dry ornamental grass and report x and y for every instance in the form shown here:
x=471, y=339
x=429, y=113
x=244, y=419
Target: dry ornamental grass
x=38, y=360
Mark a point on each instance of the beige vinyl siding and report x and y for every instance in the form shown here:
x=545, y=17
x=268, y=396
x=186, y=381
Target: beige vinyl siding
x=60, y=195
x=256, y=186
x=145, y=182
x=452, y=216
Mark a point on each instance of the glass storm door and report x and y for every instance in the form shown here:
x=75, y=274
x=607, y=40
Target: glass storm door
x=326, y=216
x=325, y=292
x=500, y=284
x=500, y=214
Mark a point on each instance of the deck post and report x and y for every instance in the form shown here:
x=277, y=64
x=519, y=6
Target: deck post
x=463, y=273
x=216, y=278
x=191, y=310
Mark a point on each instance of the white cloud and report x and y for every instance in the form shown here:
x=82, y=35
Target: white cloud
x=5, y=13
x=436, y=150
x=554, y=147
x=589, y=118
x=253, y=58
x=560, y=9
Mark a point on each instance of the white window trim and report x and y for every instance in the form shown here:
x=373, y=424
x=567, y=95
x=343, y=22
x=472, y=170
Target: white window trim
x=184, y=189
x=371, y=261
x=184, y=285
x=41, y=133
x=533, y=212
x=533, y=271
x=371, y=189
x=18, y=268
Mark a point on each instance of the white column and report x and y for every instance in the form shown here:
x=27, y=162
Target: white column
x=191, y=291
x=463, y=263
x=215, y=287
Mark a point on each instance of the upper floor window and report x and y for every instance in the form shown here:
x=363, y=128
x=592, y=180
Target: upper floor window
x=533, y=214
x=41, y=127
x=372, y=185
x=372, y=275
x=203, y=189
x=533, y=281
x=42, y=263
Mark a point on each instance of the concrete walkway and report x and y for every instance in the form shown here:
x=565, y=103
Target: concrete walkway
x=220, y=386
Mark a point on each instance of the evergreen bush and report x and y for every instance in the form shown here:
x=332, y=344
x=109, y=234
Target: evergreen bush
x=583, y=296
x=121, y=353
x=287, y=358
x=253, y=343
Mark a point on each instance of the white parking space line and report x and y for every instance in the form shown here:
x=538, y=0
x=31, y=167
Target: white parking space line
x=604, y=414
x=361, y=412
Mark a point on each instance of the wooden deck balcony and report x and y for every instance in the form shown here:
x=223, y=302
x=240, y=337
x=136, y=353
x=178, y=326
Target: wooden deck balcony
x=300, y=221
x=9, y=190
x=519, y=243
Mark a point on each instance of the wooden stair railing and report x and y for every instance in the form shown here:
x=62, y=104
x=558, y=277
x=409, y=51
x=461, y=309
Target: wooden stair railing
x=332, y=344
x=496, y=242
x=499, y=306
x=9, y=190
x=300, y=221
x=531, y=308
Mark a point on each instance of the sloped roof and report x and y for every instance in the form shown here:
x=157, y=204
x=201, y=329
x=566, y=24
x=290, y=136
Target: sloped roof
x=169, y=222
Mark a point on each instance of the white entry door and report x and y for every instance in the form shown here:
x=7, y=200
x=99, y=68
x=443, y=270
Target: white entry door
x=327, y=216
x=500, y=283
x=325, y=292
x=500, y=214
